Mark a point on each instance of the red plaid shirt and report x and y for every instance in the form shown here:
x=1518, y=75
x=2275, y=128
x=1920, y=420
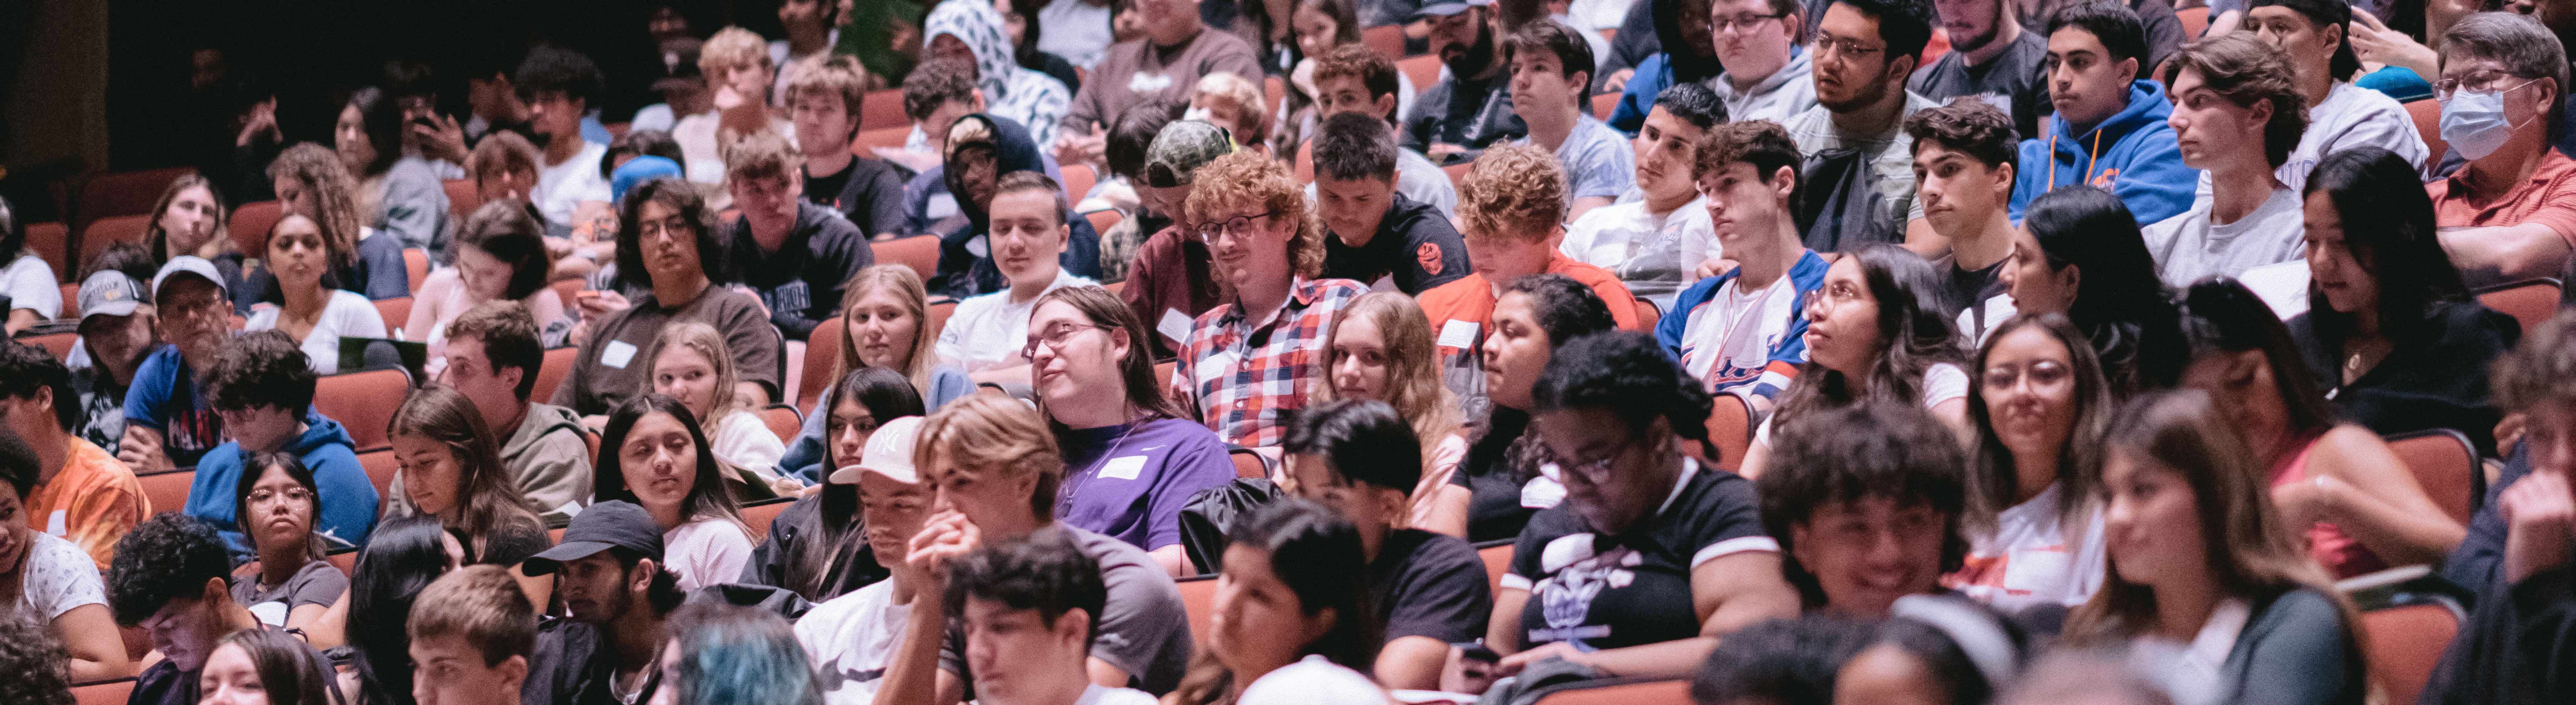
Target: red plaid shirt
x=1239, y=377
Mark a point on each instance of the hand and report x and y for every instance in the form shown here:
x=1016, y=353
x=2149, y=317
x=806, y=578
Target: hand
x=2508, y=431
x=140, y=449
x=945, y=537
x=786, y=486
x=1713, y=267
x=1618, y=81
x=2306, y=502
x=442, y=138
x=2540, y=524
x=602, y=303
x=261, y=122
x=1440, y=152
x=1460, y=675
x=727, y=98
x=1081, y=147
x=2375, y=42
x=1512, y=665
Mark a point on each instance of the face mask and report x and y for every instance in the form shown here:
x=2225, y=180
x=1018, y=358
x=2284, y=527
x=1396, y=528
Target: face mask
x=2474, y=123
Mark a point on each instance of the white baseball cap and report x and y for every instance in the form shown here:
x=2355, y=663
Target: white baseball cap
x=889, y=453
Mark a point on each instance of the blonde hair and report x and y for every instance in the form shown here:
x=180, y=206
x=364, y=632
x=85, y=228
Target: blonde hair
x=703, y=340
x=1250, y=104
x=501, y=150
x=836, y=79
x=1254, y=180
x=1413, y=384
x=731, y=48
x=988, y=433
x=1513, y=190
x=762, y=155
x=907, y=287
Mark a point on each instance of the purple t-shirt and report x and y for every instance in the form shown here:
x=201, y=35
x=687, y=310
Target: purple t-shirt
x=1128, y=482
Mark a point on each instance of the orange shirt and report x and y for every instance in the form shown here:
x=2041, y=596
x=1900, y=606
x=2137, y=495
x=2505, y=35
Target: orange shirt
x=2547, y=197
x=91, y=503
x=1462, y=312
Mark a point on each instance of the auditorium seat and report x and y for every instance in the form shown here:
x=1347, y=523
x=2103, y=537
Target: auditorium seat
x=2402, y=645
x=396, y=312
x=1078, y=179
x=1457, y=174
x=112, y=692
x=882, y=109
x=782, y=420
x=346, y=561
x=1247, y=464
x=2427, y=113
x=1103, y=220
x=822, y=353
x=1421, y=71
x=2446, y=465
x=57, y=344
x=364, y=402
x=1198, y=598
x=250, y=225
x=1599, y=692
x=51, y=242
x=2194, y=22
x=758, y=516
x=125, y=193
x=1498, y=560
x=380, y=466
x=938, y=318
x=869, y=140
x=415, y=269
x=1388, y=40
x=2530, y=301
x=1603, y=103
x=920, y=252
x=552, y=372
x=1730, y=428
x=1274, y=92
x=167, y=491
x=108, y=231
x=462, y=198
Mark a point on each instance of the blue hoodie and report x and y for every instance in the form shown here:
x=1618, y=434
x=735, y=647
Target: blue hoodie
x=348, y=497
x=2132, y=154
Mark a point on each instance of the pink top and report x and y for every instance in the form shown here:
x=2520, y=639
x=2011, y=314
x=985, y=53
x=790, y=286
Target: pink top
x=2327, y=543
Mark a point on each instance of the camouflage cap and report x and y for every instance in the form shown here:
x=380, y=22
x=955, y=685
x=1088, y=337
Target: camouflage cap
x=1182, y=147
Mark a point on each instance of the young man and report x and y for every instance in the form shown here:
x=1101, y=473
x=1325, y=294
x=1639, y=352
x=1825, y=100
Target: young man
x=1991, y=58
x=471, y=633
x=1031, y=610
x=2511, y=212
x=1028, y=233
x=1471, y=107
x=2237, y=116
x=736, y=62
x=2109, y=131
x=1173, y=278
x=1963, y=173
x=1372, y=230
x=1551, y=78
x=1871, y=512
x=677, y=285
x=995, y=467
x=1859, y=177
x=1692, y=59
x=981, y=148
x=492, y=359
x=492, y=105
x=116, y=330
x=620, y=599
x=1166, y=62
x=1656, y=243
x=682, y=85
x=792, y=253
x=1770, y=72
x=812, y=27
x=263, y=386
x=935, y=95
x=1129, y=139
x=169, y=420
x=1743, y=332
x=1509, y=207
x=559, y=87
x=1248, y=359
x=823, y=101
x=81, y=494
x=2317, y=36
x=852, y=637
x=169, y=580
x=1429, y=589
x=1353, y=78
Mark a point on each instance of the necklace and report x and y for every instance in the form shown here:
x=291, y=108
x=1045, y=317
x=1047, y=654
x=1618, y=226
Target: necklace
x=1065, y=498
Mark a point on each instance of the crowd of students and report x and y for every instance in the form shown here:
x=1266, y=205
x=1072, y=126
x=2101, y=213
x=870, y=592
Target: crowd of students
x=2060, y=366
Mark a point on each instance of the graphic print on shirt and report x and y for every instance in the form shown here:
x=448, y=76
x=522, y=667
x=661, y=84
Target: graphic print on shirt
x=1428, y=255
x=1566, y=596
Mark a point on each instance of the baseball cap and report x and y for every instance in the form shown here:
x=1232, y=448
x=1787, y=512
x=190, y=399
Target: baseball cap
x=889, y=453
x=1182, y=147
x=185, y=264
x=682, y=57
x=639, y=170
x=109, y=293
x=1445, y=8
x=602, y=526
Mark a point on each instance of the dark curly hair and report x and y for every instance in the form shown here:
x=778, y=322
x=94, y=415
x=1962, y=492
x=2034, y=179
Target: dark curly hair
x=19, y=467
x=1917, y=336
x=262, y=369
x=39, y=667
x=1779, y=661
x=1967, y=126
x=27, y=368
x=1862, y=451
x=169, y=556
x=1629, y=375
x=554, y=69
x=1566, y=308
x=1043, y=571
x=678, y=195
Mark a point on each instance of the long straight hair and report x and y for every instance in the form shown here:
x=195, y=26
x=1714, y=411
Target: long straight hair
x=1136, y=370
x=887, y=396
x=401, y=558
x=907, y=287
x=1315, y=552
x=487, y=501
x=289, y=671
x=1910, y=325
x=707, y=498
x=2119, y=302
x=157, y=240
x=2221, y=315
x=2388, y=225
x=1412, y=365
x=1993, y=476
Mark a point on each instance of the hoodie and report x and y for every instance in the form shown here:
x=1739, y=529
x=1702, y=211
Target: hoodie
x=348, y=497
x=548, y=460
x=1033, y=99
x=965, y=255
x=2132, y=154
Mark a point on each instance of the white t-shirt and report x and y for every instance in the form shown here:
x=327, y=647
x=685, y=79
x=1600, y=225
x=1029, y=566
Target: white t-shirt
x=346, y=315
x=2188, y=246
x=59, y=578
x=1941, y=382
x=706, y=552
x=746, y=441
x=657, y=116
x=987, y=331
x=1996, y=310
x=2031, y=561
x=1727, y=342
x=1075, y=30
x=2282, y=286
x=1312, y=681
x=30, y=284
x=2349, y=117
x=850, y=638
x=562, y=187
x=1653, y=253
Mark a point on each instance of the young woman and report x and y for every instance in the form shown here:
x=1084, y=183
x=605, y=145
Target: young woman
x=654, y=455
x=689, y=363
x=397, y=195
x=450, y=469
x=1380, y=349
x=1934, y=651
x=189, y=219
x=1290, y=610
x=815, y=547
x=294, y=585
x=1665, y=554
x=1129, y=464
x=51, y=581
x=264, y=667
x=27, y=280
x=500, y=256
x=2039, y=405
x=313, y=308
x=1501, y=481
x=2333, y=480
x=723, y=654
x=883, y=324
x=401, y=557
x=2199, y=562
x=311, y=180
x=2078, y=252
x=2390, y=331
x=1875, y=333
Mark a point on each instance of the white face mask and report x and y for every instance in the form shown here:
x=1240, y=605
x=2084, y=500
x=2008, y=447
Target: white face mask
x=2475, y=124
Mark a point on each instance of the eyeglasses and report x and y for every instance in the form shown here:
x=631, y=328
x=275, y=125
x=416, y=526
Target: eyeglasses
x=1053, y=338
x=1845, y=48
x=2479, y=81
x=1741, y=23
x=1596, y=470
x=1235, y=226
x=209, y=306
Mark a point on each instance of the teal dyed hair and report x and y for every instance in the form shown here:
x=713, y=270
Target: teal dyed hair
x=734, y=655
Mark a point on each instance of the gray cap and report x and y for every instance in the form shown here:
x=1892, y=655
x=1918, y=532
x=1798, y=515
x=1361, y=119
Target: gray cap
x=1444, y=8
x=109, y=293
x=187, y=264
x=1182, y=147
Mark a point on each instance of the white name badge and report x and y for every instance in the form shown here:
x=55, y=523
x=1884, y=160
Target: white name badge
x=57, y=523
x=1126, y=468
x=617, y=354
x=1174, y=325
x=1458, y=334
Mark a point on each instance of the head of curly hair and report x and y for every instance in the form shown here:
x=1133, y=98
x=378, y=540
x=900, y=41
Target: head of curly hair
x=1252, y=182
x=1513, y=190
x=38, y=665
x=168, y=556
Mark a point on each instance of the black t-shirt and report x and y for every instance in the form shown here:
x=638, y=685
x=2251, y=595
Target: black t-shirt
x=1631, y=589
x=1969, y=287
x=2435, y=378
x=569, y=666
x=1493, y=485
x=869, y=192
x=1414, y=242
x=1428, y=584
x=801, y=282
x=2014, y=82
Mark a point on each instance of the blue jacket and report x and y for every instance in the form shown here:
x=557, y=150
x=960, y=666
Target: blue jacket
x=1652, y=77
x=1805, y=278
x=2132, y=154
x=348, y=497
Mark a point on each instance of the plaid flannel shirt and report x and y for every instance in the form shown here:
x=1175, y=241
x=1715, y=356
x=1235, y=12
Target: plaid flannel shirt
x=1238, y=378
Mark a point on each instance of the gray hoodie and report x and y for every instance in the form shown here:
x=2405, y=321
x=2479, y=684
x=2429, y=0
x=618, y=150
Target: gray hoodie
x=549, y=460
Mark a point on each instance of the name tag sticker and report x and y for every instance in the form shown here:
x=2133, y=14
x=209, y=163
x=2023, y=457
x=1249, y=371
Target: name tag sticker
x=617, y=354
x=1126, y=468
x=1458, y=334
x=56, y=524
x=1174, y=325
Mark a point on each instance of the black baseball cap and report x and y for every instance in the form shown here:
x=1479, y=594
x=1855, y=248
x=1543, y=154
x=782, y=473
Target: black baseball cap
x=603, y=526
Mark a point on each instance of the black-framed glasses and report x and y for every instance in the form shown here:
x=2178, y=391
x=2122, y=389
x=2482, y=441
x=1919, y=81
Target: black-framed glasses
x=1845, y=48
x=1742, y=23
x=1053, y=338
x=1237, y=226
